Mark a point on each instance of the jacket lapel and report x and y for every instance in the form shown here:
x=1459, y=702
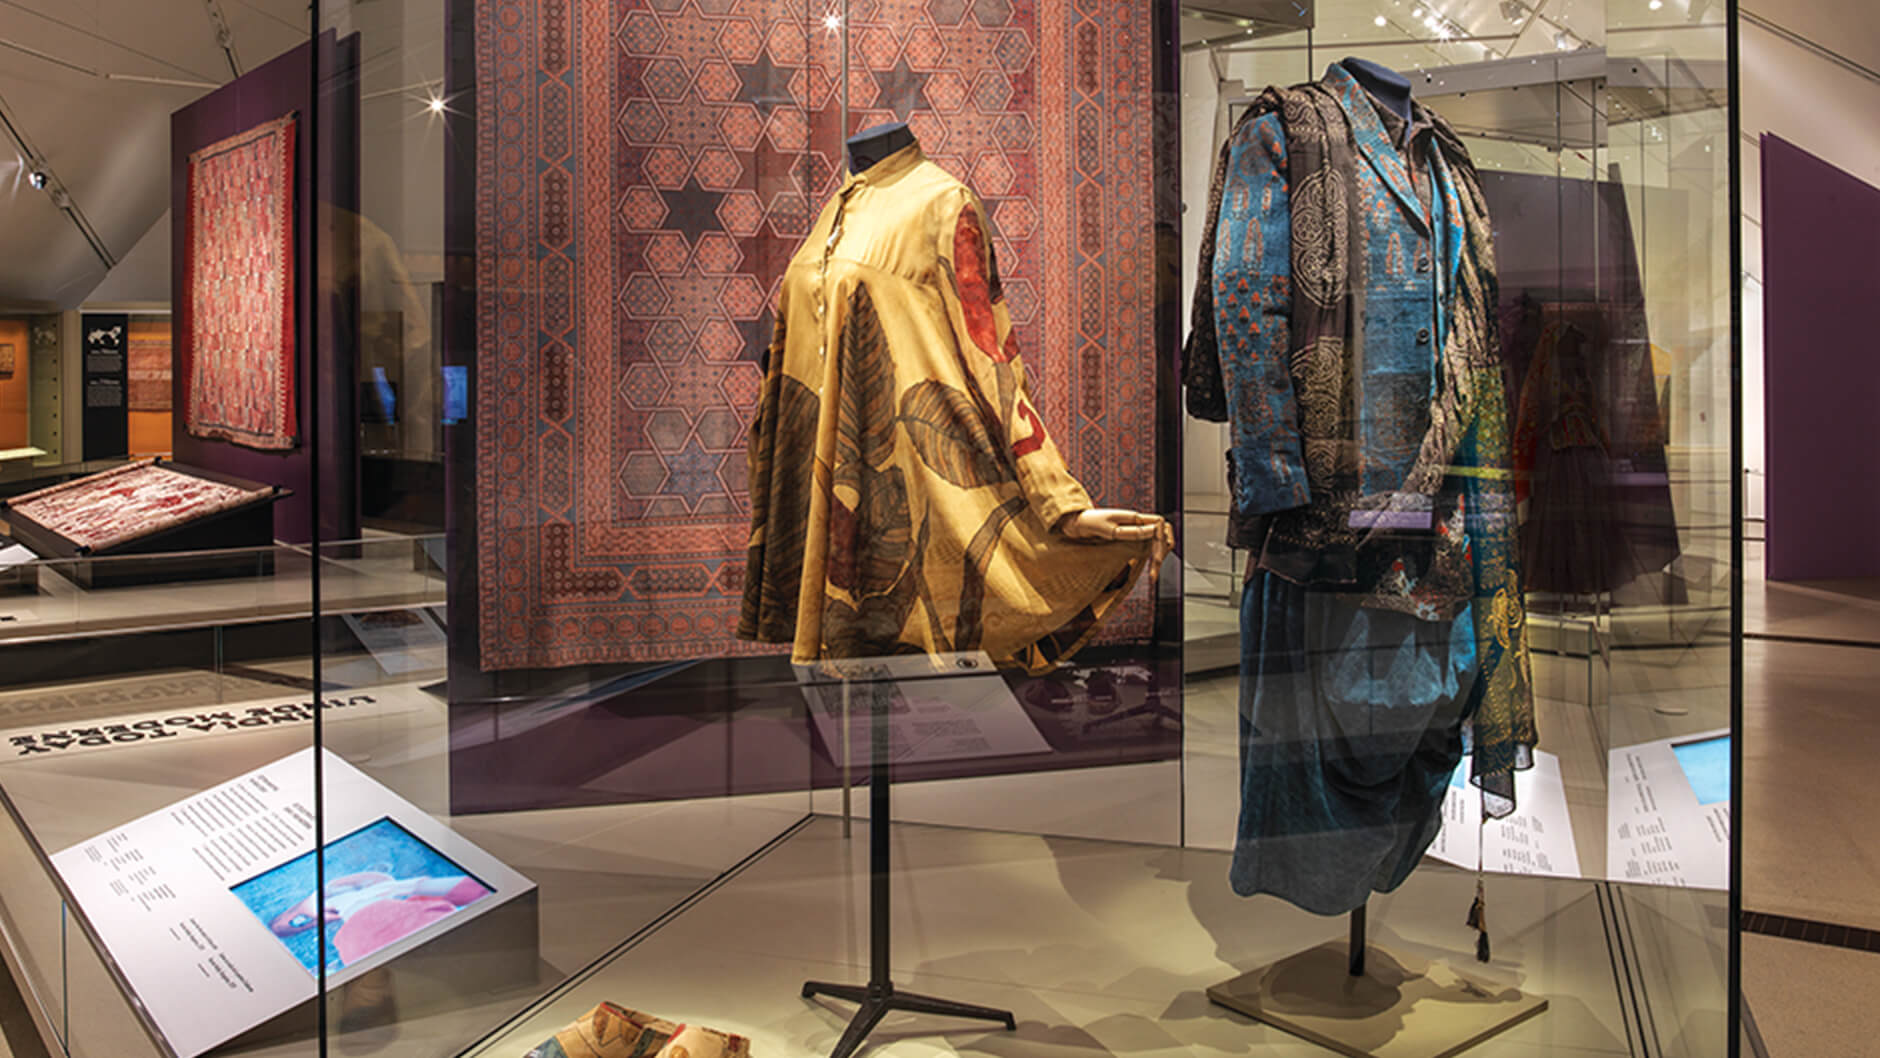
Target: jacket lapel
x=1374, y=142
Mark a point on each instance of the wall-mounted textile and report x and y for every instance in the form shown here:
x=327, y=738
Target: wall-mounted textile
x=7, y=358
x=239, y=261
x=107, y=510
x=150, y=366
x=644, y=172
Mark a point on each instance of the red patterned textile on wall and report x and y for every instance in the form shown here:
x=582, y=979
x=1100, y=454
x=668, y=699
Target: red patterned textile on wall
x=106, y=510
x=149, y=364
x=239, y=289
x=645, y=170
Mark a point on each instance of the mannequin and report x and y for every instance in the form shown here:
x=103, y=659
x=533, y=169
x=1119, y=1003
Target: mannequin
x=870, y=146
x=1345, y=764
x=1386, y=85
x=896, y=367
x=873, y=144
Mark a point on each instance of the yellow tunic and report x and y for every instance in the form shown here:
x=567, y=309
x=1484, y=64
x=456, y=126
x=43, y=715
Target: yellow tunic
x=904, y=492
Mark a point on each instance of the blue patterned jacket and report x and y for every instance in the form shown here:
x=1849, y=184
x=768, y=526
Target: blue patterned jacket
x=1345, y=328
x=1411, y=244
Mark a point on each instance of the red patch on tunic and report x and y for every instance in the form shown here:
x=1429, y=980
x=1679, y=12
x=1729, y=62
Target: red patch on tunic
x=975, y=286
x=1033, y=441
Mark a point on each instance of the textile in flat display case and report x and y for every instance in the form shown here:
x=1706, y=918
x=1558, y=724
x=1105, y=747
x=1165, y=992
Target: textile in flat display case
x=239, y=378
x=642, y=175
x=146, y=507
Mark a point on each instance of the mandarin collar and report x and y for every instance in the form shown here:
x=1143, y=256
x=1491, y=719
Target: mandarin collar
x=888, y=168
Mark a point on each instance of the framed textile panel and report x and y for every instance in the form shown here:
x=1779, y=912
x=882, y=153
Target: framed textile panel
x=8, y=359
x=239, y=284
x=150, y=366
x=644, y=172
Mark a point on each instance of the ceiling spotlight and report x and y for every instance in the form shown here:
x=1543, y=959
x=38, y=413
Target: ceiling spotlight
x=37, y=179
x=1656, y=4
x=1416, y=12
x=1563, y=41
x=832, y=20
x=1513, y=10
x=436, y=105
x=1380, y=21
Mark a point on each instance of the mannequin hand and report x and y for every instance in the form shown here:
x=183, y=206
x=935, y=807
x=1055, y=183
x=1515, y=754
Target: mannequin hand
x=1110, y=523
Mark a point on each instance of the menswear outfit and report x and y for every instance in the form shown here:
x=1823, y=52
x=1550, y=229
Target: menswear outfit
x=1344, y=327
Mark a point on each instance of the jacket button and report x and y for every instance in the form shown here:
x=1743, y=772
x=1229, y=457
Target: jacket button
x=1423, y=336
x=1423, y=263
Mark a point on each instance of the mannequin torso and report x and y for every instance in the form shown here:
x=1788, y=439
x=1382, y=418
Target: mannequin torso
x=1386, y=85
x=871, y=145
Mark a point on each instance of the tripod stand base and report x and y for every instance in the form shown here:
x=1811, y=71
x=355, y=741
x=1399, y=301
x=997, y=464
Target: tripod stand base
x=878, y=1001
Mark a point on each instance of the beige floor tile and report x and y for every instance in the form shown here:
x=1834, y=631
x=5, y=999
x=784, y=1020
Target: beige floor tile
x=1097, y=948
x=1812, y=1001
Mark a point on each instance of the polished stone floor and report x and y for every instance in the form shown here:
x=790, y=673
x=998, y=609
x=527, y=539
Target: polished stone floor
x=1069, y=898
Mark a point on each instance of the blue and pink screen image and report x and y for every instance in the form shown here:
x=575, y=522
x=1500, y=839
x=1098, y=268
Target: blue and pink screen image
x=382, y=885
x=1706, y=764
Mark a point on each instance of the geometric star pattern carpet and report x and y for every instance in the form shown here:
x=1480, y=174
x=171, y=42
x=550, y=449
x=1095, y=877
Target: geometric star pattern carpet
x=645, y=170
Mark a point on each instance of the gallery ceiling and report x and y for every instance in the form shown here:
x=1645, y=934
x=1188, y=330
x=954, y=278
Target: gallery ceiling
x=88, y=86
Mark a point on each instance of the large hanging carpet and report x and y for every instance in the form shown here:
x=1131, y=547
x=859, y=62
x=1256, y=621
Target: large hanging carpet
x=645, y=168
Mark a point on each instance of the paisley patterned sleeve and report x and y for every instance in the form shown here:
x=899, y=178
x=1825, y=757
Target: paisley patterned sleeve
x=989, y=356
x=1252, y=296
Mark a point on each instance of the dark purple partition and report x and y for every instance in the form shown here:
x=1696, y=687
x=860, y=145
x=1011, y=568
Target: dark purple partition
x=326, y=169
x=1822, y=383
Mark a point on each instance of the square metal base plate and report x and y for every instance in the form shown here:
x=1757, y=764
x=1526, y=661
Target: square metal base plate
x=1396, y=1010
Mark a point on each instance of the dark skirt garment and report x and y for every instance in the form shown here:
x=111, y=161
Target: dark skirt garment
x=1350, y=728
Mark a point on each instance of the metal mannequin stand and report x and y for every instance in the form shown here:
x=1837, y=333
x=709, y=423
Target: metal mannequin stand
x=879, y=997
x=1371, y=1004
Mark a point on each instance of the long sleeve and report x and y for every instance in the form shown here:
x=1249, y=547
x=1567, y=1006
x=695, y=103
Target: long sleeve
x=1251, y=288
x=989, y=354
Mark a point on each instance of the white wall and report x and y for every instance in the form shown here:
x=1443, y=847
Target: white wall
x=143, y=274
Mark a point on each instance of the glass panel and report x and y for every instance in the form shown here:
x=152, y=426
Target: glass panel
x=156, y=614
x=666, y=553
x=1672, y=647
x=556, y=238
x=1613, y=330
x=114, y=715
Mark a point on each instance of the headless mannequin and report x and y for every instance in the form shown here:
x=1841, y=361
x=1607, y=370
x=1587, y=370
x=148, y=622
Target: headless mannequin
x=1386, y=85
x=870, y=146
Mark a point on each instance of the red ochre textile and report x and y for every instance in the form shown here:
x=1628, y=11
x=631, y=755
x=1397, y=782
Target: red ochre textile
x=238, y=290
x=103, y=511
x=646, y=170
x=150, y=366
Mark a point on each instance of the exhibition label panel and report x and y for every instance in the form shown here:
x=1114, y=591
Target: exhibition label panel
x=210, y=908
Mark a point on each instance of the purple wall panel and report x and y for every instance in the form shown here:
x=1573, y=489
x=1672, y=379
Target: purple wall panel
x=1820, y=281
x=324, y=170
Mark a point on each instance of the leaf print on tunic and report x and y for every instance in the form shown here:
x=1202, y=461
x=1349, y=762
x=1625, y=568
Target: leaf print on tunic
x=925, y=483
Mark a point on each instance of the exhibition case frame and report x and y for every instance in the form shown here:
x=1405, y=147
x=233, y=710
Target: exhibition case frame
x=501, y=670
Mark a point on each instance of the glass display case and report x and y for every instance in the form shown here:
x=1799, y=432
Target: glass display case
x=982, y=526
